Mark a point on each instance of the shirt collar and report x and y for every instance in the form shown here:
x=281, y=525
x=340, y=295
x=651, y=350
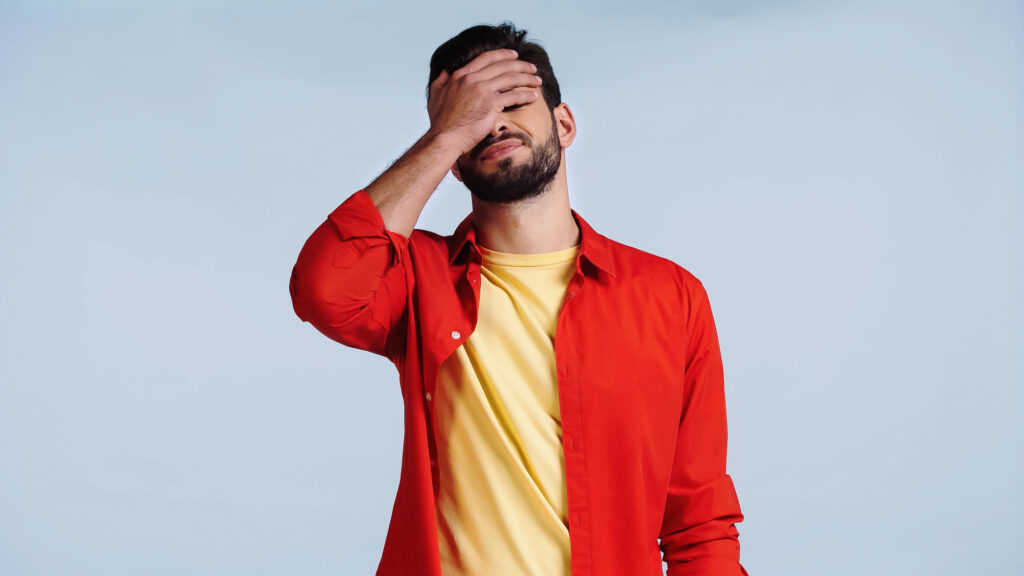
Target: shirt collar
x=593, y=246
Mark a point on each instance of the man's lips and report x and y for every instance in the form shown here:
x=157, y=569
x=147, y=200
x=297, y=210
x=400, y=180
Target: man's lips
x=500, y=148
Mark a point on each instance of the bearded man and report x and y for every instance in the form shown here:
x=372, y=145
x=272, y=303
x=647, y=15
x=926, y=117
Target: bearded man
x=563, y=392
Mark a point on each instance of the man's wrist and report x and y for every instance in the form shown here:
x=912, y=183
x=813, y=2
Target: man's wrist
x=444, y=144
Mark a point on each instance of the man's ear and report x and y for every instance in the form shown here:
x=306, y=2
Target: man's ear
x=566, y=123
x=455, y=171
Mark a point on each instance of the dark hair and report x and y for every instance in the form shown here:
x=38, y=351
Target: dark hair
x=471, y=42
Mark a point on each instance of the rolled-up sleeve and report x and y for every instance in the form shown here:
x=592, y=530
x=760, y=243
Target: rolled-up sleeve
x=698, y=535
x=350, y=281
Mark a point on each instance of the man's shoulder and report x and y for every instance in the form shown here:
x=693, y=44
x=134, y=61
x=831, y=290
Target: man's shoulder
x=428, y=241
x=642, y=264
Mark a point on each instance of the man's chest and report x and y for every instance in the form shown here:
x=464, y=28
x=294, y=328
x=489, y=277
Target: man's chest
x=619, y=347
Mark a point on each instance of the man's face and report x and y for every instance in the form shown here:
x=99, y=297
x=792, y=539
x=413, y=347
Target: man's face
x=523, y=160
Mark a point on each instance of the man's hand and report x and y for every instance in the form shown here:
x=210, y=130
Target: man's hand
x=464, y=105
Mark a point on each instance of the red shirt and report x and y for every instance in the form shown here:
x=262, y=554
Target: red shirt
x=640, y=388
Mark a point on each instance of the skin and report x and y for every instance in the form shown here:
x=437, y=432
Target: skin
x=541, y=223
x=516, y=178
x=493, y=96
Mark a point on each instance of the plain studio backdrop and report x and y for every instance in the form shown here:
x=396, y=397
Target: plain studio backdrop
x=845, y=178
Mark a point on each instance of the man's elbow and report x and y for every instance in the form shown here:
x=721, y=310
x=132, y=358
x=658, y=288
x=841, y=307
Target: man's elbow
x=708, y=549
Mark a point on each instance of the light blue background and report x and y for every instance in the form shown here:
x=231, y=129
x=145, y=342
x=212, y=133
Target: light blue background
x=844, y=177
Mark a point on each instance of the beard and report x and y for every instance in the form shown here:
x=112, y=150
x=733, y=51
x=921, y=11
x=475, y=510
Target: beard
x=512, y=182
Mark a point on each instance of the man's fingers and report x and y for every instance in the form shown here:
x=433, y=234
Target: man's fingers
x=485, y=59
x=503, y=67
x=513, y=97
x=440, y=80
x=512, y=80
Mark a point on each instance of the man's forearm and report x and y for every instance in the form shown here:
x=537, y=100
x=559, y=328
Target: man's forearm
x=401, y=192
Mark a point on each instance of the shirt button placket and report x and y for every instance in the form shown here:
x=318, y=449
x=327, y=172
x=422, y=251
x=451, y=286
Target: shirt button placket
x=455, y=336
x=569, y=440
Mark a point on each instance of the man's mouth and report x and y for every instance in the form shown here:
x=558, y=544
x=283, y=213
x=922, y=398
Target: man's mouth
x=499, y=149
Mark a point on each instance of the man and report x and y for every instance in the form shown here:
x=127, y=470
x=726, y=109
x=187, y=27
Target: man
x=563, y=392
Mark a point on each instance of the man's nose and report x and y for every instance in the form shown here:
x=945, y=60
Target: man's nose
x=500, y=125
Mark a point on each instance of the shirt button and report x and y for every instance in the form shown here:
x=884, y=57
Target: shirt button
x=428, y=396
x=456, y=335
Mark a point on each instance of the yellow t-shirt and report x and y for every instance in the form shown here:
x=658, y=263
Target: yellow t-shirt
x=502, y=507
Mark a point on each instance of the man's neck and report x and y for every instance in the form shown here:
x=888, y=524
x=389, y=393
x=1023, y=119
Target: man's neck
x=540, y=224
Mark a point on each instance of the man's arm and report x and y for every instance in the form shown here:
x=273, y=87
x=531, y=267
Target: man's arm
x=350, y=280
x=463, y=108
x=698, y=533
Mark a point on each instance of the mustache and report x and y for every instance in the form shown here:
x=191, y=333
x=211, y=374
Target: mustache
x=491, y=140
